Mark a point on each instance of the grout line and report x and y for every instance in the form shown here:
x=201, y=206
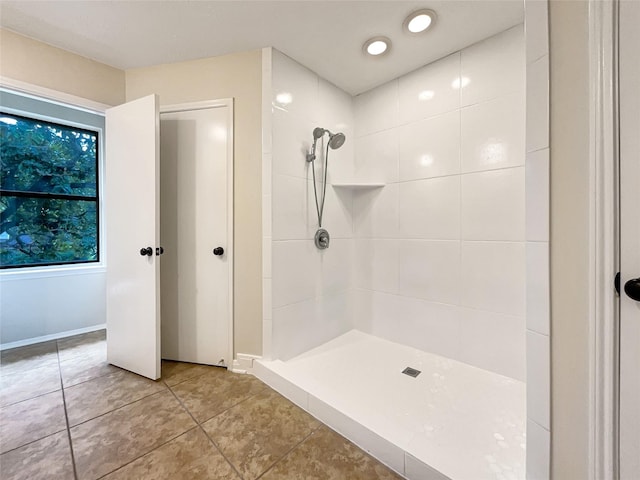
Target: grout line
x=313, y=430
x=118, y=408
x=199, y=425
x=66, y=416
x=147, y=453
x=34, y=441
x=30, y=398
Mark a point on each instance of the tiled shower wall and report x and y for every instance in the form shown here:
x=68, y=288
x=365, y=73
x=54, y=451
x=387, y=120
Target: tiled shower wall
x=310, y=289
x=440, y=249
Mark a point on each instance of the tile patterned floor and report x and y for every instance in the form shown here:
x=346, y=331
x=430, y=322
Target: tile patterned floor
x=65, y=413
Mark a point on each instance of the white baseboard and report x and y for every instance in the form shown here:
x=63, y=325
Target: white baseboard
x=243, y=363
x=54, y=336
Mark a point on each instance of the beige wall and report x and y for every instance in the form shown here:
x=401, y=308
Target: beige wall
x=569, y=89
x=238, y=76
x=34, y=62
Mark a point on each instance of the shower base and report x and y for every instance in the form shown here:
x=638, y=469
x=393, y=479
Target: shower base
x=452, y=421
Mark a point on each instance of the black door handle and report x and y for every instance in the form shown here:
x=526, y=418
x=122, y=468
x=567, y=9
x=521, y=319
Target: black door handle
x=218, y=251
x=159, y=250
x=146, y=252
x=632, y=289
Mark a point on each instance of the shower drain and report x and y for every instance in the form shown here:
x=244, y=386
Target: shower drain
x=412, y=372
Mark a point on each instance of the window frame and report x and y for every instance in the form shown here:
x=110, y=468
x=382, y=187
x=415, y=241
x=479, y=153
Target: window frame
x=68, y=267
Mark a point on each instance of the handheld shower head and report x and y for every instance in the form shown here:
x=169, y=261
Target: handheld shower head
x=336, y=140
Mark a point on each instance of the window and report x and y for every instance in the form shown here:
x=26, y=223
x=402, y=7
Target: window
x=49, y=199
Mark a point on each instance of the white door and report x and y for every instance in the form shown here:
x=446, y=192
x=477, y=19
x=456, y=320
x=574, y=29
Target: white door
x=133, y=270
x=630, y=240
x=195, y=204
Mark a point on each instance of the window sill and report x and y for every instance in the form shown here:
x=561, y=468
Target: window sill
x=26, y=273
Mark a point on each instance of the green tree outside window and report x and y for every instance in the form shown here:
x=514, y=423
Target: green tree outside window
x=48, y=193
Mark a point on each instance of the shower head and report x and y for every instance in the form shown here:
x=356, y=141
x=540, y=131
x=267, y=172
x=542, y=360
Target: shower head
x=336, y=140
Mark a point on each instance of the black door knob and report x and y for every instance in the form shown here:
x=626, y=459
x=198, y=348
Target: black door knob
x=632, y=289
x=159, y=250
x=146, y=252
x=218, y=251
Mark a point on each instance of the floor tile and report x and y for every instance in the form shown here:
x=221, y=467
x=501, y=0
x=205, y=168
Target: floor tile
x=45, y=459
x=85, y=365
x=214, y=392
x=256, y=433
x=191, y=456
x=78, y=344
x=26, y=358
x=325, y=455
x=176, y=372
x=108, y=442
x=19, y=386
x=100, y=395
x=29, y=420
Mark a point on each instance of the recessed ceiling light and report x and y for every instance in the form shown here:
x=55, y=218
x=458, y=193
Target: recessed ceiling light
x=419, y=21
x=377, y=46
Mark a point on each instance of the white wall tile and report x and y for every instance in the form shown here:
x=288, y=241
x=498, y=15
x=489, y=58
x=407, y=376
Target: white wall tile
x=538, y=452
x=493, y=276
x=376, y=157
x=267, y=127
x=494, y=342
x=430, y=209
x=293, y=215
x=294, y=329
x=430, y=90
x=337, y=215
x=267, y=242
x=537, y=194
x=267, y=215
x=538, y=104
x=335, y=316
x=493, y=134
x=376, y=265
x=377, y=109
x=267, y=297
x=536, y=29
x=336, y=264
x=429, y=326
x=295, y=88
x=430, y=270
x=296, y=271
x=267, y=170
x=292, y=140
x=362, y=313
x=267, y=331
x=493, y=205
x=538, y=304
x=376, y=212
x=430, y=148
x=494, y=67
x=538, y=378
x=335, y=109
x=417, y=470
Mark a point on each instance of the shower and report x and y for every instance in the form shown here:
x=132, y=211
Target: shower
x=336, y=140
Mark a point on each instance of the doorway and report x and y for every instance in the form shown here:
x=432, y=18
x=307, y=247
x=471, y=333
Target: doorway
x=195, y=227
x=195, y=208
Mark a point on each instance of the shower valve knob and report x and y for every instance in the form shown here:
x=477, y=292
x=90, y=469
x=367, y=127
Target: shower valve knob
x=218, y=251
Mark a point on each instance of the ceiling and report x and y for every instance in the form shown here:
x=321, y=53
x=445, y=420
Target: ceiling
x=326, y=36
